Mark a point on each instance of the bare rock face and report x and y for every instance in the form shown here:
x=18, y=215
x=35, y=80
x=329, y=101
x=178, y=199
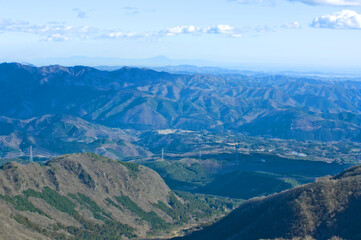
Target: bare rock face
x=86, y=196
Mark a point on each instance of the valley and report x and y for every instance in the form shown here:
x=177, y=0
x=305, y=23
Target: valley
x=326, y=209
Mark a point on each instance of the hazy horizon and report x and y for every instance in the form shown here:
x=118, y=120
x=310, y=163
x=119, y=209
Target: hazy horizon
x=164, y=62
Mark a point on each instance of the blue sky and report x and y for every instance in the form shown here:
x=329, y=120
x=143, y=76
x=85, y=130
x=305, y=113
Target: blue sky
x=280, y=33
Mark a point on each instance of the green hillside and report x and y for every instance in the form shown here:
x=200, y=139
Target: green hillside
x=86, y=196
x=326, y=209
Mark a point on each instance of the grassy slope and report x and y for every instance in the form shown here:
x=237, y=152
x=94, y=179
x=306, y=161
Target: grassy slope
x=86, y=196
x=329, y=207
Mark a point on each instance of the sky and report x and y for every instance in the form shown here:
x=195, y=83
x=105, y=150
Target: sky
x=324, y=34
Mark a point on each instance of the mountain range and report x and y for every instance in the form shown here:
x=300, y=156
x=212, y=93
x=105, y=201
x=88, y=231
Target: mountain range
x=114, y=61
x=130, y=98
x=233, y=135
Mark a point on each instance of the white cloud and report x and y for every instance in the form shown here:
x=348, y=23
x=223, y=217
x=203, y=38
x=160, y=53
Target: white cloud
x=124, y=35
x=7, y=25
x=346, y=19
x=172, y=31
x=57, y=38
x=49, y=32
x=330, y=2
x=221, y=29
x=293, y=25
x=55, y=31
x=224, y=29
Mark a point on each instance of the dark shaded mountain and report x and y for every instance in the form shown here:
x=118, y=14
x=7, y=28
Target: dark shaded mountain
x=329, y=207
x=86, y=196
x=246, y=185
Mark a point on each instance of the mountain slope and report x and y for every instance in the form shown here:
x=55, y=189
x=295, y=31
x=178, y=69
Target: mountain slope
x=324, y=209
x=86, y=196
x=51, y=135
